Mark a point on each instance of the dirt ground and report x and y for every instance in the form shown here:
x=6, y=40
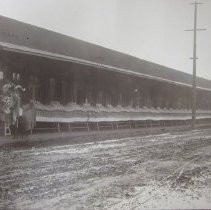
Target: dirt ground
x=171, y=170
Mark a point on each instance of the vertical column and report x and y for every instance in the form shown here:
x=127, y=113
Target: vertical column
x=75, y=85
x=120, y=98
x=99, y=88
x=52, y=88
x=100, y=97
x=88, y=85
x=120, y=89
x=69, y=87
x=75, y=91
x=64, y=91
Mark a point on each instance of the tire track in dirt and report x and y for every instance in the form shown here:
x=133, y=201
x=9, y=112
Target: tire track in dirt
x=103, y=167
x=163, y=182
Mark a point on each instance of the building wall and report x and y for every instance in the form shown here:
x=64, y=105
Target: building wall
x=48, y=80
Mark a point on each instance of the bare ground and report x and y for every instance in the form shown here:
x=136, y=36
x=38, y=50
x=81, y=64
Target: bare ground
x=171, y=170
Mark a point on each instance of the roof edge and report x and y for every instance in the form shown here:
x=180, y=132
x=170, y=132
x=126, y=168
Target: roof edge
x=30, y=51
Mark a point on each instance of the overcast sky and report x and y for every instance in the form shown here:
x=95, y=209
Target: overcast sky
x=149, y=29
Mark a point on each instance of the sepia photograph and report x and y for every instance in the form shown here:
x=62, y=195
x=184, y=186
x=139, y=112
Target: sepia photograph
x=105, y=104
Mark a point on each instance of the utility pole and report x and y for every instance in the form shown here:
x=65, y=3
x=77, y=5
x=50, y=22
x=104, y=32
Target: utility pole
x=195, y=29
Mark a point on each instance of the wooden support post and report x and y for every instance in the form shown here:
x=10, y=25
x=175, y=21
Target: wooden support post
x=63, y=90
x=52, y=89
x=58, y=125
x=159, y=123
x=69, y=127
x=112, y=127
x=87, y=124
x=117, y=125
x=98, y=126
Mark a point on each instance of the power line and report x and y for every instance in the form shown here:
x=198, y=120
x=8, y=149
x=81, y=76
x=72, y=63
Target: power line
x=195, y=29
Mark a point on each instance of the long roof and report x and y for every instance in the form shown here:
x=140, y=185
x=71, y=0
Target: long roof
x=25, y=38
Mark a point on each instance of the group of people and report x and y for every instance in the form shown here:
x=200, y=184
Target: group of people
x=20, y=118
x=25, y=121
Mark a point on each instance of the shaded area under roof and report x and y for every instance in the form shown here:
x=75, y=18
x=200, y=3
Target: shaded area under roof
x=29, y=36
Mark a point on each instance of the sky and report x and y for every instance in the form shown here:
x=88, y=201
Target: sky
x=148, y=29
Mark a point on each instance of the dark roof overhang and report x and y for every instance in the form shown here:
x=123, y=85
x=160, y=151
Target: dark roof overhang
x=19, y=37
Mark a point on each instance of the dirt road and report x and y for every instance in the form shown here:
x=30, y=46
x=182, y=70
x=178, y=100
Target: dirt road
x=171, y=170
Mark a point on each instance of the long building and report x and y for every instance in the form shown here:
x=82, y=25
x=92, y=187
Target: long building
x=72, y=80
